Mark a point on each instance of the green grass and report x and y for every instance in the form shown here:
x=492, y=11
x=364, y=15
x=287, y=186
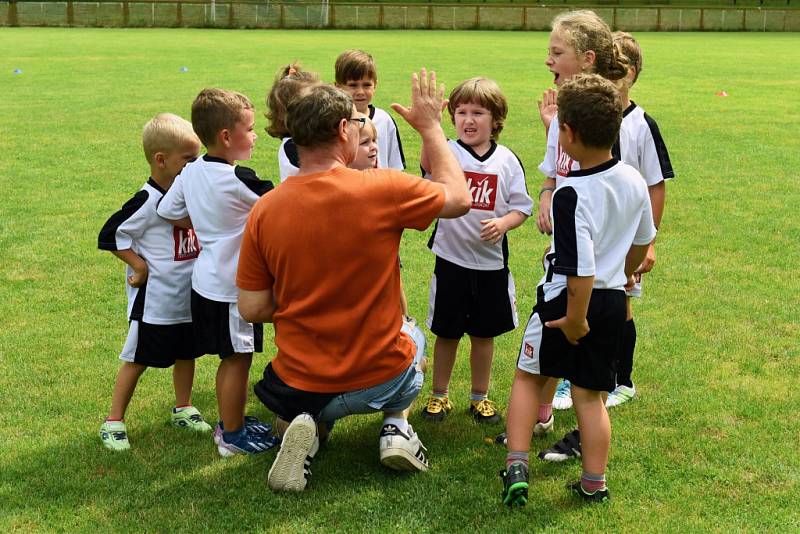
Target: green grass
x=710, y=445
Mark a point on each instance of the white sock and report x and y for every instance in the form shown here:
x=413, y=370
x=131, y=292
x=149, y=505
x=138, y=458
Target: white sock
x=401, y=424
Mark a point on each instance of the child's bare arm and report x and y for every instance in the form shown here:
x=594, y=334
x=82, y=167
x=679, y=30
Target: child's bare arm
x=657, y=194
x=543, y=221
x=494, y=229
x=139, y=266
x=184, y=223
x=633, y=260
x=574, y=324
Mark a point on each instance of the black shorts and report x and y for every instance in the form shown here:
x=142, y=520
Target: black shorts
x=467, y=301
x=287, y=402
x=591, y=364
x=158, y=345
x=220, y=329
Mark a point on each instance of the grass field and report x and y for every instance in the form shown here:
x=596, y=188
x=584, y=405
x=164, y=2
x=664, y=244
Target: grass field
x=710, y=445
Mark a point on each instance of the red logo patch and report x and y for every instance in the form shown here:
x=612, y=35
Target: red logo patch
x=564, y=163
x=528, y=350
x=483, y=188
x=186, y=245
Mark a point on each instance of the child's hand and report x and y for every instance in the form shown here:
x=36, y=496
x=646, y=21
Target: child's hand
x=632, y=279
x=139, y=276
x=572, y=331
x=649, y=261
x=548, y=107
x=543, y=221
x=493, y=230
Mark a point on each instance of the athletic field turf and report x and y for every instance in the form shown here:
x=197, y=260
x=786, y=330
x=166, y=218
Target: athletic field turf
x=710, y=444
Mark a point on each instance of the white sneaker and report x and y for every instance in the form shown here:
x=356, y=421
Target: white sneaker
x=291, y=469
x=620, y=395
x=542, y=429
x=402, y=451
x=563, y=397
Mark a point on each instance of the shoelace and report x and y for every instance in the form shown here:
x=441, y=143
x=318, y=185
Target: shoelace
x=119, y=435
x=563, y=389
x=486, y=407
x=435, y=404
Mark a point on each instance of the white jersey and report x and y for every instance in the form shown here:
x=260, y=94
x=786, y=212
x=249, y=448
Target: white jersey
x=639, y=144
x=169, y=252
x=390, y=149
x=597, y=215
x=218, y=197
x=288, y=161
x=496, y=182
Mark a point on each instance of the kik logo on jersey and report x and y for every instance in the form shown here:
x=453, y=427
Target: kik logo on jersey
x=483, y=188
x=186, y=245
x=564, y=163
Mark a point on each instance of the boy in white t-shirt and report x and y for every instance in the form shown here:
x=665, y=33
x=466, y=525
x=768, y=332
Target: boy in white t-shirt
x=159, y=260
x=472, y=291
x=356, y=74
x=214, y=196
x=602, y=226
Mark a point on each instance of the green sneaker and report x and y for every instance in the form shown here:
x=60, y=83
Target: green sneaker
x=190, y=418
x=114, y=436
x=515, y=485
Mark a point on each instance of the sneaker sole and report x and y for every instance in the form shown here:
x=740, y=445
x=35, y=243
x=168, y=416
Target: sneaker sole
x=557, y=457
x=542, y=429
x=286, y=473
x=400, y=459
x=517, y=495
x=562, y=405
x=436, y=417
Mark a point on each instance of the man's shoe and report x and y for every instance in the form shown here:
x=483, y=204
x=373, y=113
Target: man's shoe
x=620, y=395
x=600, y=495
x=402, y=451
x=190, y=419
x=484, y=411
x=114, y=435
x=436, y=409
x=291, y=469
x=562, y=400
x=515, y=484
x=542, y=429
x=244, y=443
x=568, y=448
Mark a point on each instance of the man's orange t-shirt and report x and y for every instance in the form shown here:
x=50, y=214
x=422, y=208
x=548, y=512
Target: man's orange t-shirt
x=327, y=245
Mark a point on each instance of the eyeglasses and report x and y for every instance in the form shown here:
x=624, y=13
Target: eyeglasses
x=361, y=121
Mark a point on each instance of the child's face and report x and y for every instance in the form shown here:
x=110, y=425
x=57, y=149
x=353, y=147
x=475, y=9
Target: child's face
x=367, y=153
x=242, y=138
x=474, y=125
x=176, y=159
x=361, y=91
x=562, y=59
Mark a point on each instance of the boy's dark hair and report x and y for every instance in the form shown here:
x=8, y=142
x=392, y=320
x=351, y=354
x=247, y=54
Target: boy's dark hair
x=631, y=52
x=485, y=93
x=591, y=106
x=355, y=65
x=289, y=82
x=313, y=117
x=214, y=110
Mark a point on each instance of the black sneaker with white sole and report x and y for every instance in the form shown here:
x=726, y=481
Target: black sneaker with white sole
x=402, y=451
x=600, y=495
x=568, y=448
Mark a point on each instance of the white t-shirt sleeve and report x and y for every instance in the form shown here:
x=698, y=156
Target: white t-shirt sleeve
x=646, y=231
x=173, y=203
x=518, y=198
x=251, y=187
x=127, y=225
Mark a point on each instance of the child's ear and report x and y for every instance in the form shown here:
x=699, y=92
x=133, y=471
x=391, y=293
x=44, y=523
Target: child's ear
x=161, y=159
x=224, y=137
x=589, y=58
x=568, y=131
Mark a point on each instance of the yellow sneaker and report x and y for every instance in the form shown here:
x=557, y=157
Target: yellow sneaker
x=436, y=409
x=484, y=411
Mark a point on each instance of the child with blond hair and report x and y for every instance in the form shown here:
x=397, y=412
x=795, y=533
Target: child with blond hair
x=159, y=259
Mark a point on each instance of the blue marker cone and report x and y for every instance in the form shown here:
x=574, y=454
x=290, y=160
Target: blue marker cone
x=17, y=71
x=184, y=69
